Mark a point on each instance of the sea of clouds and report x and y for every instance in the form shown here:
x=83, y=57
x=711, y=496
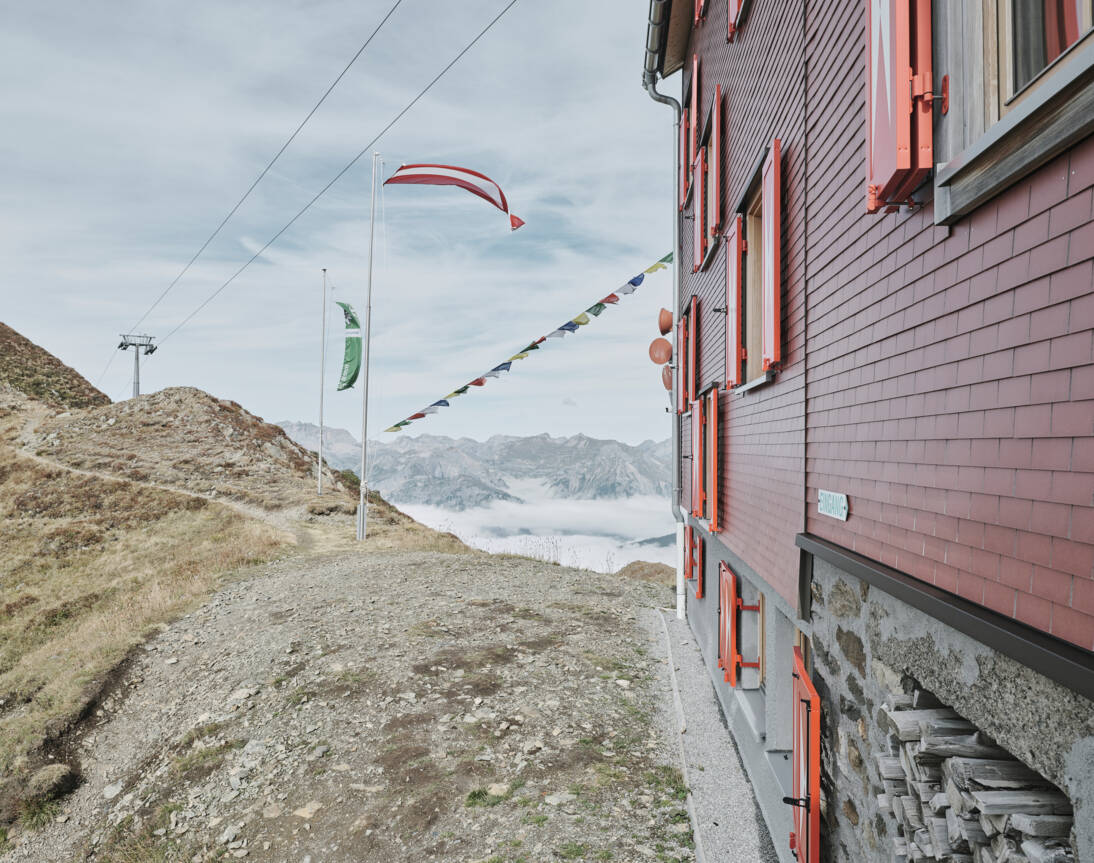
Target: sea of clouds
x=601, y=535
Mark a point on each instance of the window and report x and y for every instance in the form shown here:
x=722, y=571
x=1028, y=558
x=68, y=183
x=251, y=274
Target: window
x=704, y=458
x=1034, y=34
x=695, y=558
x=707, y=181
x=683, y=336
x=700, y=10
x=753, y=279
x=805, y=838
x=1022, y=73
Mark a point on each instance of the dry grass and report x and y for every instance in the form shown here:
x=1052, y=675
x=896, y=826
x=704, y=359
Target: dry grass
x=88, y=567
x=644, y=570
x=37, y=373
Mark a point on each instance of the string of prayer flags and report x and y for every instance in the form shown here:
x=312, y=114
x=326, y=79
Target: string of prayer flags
x=571, y=326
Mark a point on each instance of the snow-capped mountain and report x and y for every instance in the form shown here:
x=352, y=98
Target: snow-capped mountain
x=459, y=473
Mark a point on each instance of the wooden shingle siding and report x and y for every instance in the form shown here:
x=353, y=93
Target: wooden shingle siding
x=950, y=371
x=761, y=463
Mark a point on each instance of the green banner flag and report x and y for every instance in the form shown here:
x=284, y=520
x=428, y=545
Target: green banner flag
x=351, y=362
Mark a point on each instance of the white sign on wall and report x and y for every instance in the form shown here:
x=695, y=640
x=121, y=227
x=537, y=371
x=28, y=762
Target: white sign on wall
x=832, y=504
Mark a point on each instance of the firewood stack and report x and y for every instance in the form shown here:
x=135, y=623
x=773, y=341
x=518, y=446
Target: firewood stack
x=957, y=796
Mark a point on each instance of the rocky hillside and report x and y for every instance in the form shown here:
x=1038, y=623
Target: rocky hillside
x=185, y=438
x=463, y=473
x=37, y=374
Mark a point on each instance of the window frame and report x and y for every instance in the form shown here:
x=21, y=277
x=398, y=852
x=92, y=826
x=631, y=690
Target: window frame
x=768, y=270
x=1051, y=114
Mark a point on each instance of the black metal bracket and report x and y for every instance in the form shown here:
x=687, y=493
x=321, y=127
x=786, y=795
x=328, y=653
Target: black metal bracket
x=801, y=802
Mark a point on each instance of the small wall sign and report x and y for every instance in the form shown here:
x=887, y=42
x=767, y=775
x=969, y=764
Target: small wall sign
x=832, y=504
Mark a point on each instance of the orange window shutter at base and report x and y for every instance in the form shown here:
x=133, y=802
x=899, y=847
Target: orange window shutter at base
x=715, y=166
x=731, y=608
x=771, y=284
x=688, y=551
x=700, y=565
x=805, y=838
x=697, y=459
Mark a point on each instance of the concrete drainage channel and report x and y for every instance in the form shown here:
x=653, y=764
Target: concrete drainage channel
x=725, y=818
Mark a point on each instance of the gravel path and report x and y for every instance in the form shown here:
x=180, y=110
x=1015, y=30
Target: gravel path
x=401, y=706
x=730, y=826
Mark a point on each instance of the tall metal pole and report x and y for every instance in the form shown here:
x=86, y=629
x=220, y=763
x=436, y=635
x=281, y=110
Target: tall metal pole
x=136, y=371
x=362, y=501
x=322, y=376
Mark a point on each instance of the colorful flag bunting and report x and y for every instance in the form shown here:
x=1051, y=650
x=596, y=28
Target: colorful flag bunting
x=569, y=327
x=450, y=175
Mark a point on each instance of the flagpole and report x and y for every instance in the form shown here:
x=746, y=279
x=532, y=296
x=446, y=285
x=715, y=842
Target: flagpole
x=362, y=500
x=322, y=376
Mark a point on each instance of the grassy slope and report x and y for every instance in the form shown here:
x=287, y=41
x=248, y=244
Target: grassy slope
x=88, y=566
x=38, y=374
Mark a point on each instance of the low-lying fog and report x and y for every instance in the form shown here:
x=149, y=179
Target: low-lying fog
x=601, y=535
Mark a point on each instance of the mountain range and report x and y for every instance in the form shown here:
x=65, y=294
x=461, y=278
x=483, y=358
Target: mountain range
x=461, y=473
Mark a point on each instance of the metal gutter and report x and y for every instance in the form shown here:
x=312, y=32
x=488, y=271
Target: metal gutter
x=656, y=33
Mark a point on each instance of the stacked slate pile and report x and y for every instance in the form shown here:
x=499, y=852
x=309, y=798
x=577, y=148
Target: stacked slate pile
x=955, y=795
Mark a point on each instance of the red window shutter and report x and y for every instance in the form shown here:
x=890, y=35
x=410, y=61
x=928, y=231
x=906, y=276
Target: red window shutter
x=685, y=162
x=715, y=167
x=772, y=294
x=681, y=352
x=805, y=839
x=734, y=18
x=725, y=607
x=689, y=549
x=696, y=458
x=694, y=137
x=712, y=455
x=734, y=262
x=699, y=210
x=700, y=565
x=700, y=10
x=899, y=149
x=693, y=347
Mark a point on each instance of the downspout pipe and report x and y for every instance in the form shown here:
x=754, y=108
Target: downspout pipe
x=655, y=37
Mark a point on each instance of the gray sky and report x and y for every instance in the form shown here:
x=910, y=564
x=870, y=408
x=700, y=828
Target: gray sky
x=130, y=129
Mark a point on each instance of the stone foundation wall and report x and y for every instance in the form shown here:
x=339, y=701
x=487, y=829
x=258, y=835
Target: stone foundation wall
x=866, y=645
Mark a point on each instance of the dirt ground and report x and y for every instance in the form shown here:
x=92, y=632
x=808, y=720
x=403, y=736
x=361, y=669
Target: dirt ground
x=391, y=705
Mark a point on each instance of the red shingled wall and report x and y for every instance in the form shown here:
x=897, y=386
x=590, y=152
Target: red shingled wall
x=763, y=432
x=950, y=378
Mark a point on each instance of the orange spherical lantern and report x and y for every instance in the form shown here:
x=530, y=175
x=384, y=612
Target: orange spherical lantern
x=666, y=377
x=664, y=321
x=660, y=351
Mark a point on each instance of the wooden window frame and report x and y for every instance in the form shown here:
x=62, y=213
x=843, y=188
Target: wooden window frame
x=735, y=18
x=1012, y=137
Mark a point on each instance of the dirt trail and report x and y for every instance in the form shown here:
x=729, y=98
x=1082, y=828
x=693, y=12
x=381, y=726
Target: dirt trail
x=395, y=706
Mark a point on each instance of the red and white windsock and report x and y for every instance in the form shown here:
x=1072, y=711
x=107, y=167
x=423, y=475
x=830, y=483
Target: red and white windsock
x=450, y=175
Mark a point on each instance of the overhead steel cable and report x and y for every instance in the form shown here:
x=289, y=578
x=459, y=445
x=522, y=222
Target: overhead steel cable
x=269, y=165
x=342, y=172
